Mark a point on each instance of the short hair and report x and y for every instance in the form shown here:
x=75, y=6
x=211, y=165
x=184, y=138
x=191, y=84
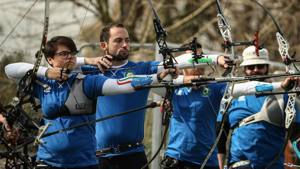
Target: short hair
x=52, y=44
x=105, y=32
x=189, y=44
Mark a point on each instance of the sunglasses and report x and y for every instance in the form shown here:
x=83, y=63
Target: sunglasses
x=66, y=53
x=252, y=67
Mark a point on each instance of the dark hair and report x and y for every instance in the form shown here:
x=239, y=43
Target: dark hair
x=51, y=45
x=198, y=45
x=105, y=32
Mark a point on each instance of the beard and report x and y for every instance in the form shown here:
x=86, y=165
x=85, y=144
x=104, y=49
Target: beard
x=260, y=74
x=120, y=56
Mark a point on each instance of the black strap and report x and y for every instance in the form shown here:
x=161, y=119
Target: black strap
x=118, y=148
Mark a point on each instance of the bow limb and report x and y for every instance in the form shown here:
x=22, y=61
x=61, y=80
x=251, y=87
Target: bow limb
x=283, y=48
x=224, y=27
x=39, y=54
x=26, y=83
x=15, y=114
x=161, y=35
x=168, y=62
x=225, y=31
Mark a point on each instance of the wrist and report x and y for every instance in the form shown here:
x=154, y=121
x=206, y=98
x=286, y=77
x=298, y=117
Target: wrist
x=217, y=61
x=85, y=60
x=42, y=71
x=47, y=73
x=159, y=79
x=179, y=80
x=81, y=61
x=288, y=87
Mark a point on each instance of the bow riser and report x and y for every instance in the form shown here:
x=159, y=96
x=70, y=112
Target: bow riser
x=17, y=155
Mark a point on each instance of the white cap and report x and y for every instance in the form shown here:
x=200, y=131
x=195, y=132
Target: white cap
x=250, y=57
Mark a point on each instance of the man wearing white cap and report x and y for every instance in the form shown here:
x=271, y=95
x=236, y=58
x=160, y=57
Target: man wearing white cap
x=255, y=61
x=257, y=123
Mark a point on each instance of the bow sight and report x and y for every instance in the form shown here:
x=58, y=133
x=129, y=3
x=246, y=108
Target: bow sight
x=161, y=36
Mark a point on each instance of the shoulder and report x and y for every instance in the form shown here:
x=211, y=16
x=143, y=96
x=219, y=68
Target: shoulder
x=93, y=77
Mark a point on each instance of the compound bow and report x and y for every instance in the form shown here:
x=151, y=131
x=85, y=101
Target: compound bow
x=17, y=155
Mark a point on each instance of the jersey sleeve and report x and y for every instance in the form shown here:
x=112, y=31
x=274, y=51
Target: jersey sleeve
x=97, y=85
x=93, y=85
x=16, y=71
x=253, y=87
x=88, y=69
x=151, y=67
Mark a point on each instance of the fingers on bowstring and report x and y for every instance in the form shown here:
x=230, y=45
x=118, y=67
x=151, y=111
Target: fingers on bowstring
x=63, y=74
x=229, y=61
x=100, y=68
x=176, y=72
x=293, y=80
x=173, y=70
x=104, y=63
x=108, y=57
x=107, y=60
x=297, y=82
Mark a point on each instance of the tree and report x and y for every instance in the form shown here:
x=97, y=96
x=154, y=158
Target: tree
x=8, y=87
x=185, y=19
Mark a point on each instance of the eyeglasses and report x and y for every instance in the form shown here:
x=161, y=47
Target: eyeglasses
x=66, y=53
x=252, y=67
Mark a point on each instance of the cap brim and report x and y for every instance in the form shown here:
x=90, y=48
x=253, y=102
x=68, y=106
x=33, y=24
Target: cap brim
x=254, y=62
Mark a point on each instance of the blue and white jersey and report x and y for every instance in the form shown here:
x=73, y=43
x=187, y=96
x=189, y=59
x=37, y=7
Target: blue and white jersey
x=192, y=126
x=127, y=129
x=74, y=148
x=257, y=142
x=77, y=147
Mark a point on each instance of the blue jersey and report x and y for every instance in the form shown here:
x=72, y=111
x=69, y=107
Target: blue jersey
x=192, y=126
x=257, y=142
x=74, y=148
x=127, y=129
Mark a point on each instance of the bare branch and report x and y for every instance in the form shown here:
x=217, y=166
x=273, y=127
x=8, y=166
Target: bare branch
x=190, y=16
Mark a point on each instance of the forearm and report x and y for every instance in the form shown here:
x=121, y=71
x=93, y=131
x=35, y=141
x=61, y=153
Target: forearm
x=127, y=85
x=16, y=71
x=240, y=89
x=253, y=87
x=187, y=61
x=221, y=160
x=80, y=61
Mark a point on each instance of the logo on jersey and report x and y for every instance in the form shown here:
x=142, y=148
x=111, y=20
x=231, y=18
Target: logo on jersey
x=124, y=80
x=128, y=77
x=129, y=73
x=206, y=91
